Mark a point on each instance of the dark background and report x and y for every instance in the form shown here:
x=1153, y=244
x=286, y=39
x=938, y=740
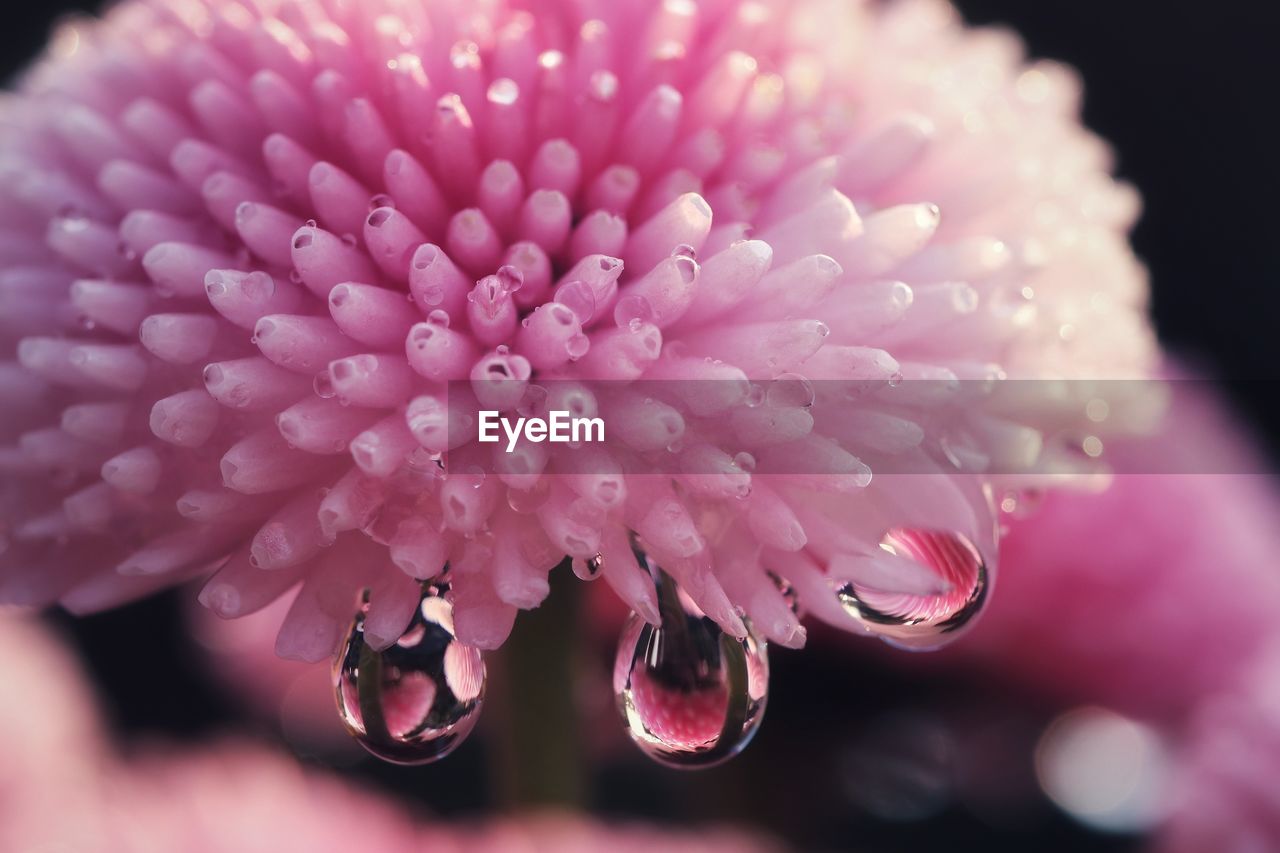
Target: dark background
x=1186, y=93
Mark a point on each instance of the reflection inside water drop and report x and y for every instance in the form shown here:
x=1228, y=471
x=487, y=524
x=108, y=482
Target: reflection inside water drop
x=923, y=621
x=690, y=695
x=589, y=569
x=417, y=700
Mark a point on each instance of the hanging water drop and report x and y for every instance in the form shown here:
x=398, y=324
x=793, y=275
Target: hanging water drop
x=416, y=701
x=912, y=620
x=589, y=569
x=690, y=695
x=787, y=591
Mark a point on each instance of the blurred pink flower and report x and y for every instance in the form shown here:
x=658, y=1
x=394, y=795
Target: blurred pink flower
x=297, y=697
x=1158, y=599
x=51, y=739
x=62, y=786
x=1157, y=592
x=247, y=247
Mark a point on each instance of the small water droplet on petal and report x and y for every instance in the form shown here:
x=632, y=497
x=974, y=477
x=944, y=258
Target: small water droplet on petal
x=323, y=385
x=633, y=311
x=577, y=346
x=579, y=298
x=527, y=502
x=510, y=279
x=790, y=390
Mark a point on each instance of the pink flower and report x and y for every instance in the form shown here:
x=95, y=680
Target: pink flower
x=295, y=696
x=50, y=733
x=1156, y=593
x=1157, y=599
x=262, y=270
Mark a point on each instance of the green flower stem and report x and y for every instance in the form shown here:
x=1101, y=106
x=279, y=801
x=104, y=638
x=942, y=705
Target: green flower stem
x=539, y=760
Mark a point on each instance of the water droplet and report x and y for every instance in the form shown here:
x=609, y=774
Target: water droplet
x=577, y=346
x=790, y=390
x=311, y=223
x=745, y=461
x=527, y=502
x=381, y=200
x=533, y=401
x=439, y=317
x=787, y=591
x=417, y=700
x=579, y=298
x=633, y=309
x=322, y=384
x=510, y=279
x=917, y=621
x=588, y=570
x=690, y=694
x=426, y=460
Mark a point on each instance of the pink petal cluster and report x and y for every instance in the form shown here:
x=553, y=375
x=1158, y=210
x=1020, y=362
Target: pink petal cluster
x=63, y=787
x=251, y=250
